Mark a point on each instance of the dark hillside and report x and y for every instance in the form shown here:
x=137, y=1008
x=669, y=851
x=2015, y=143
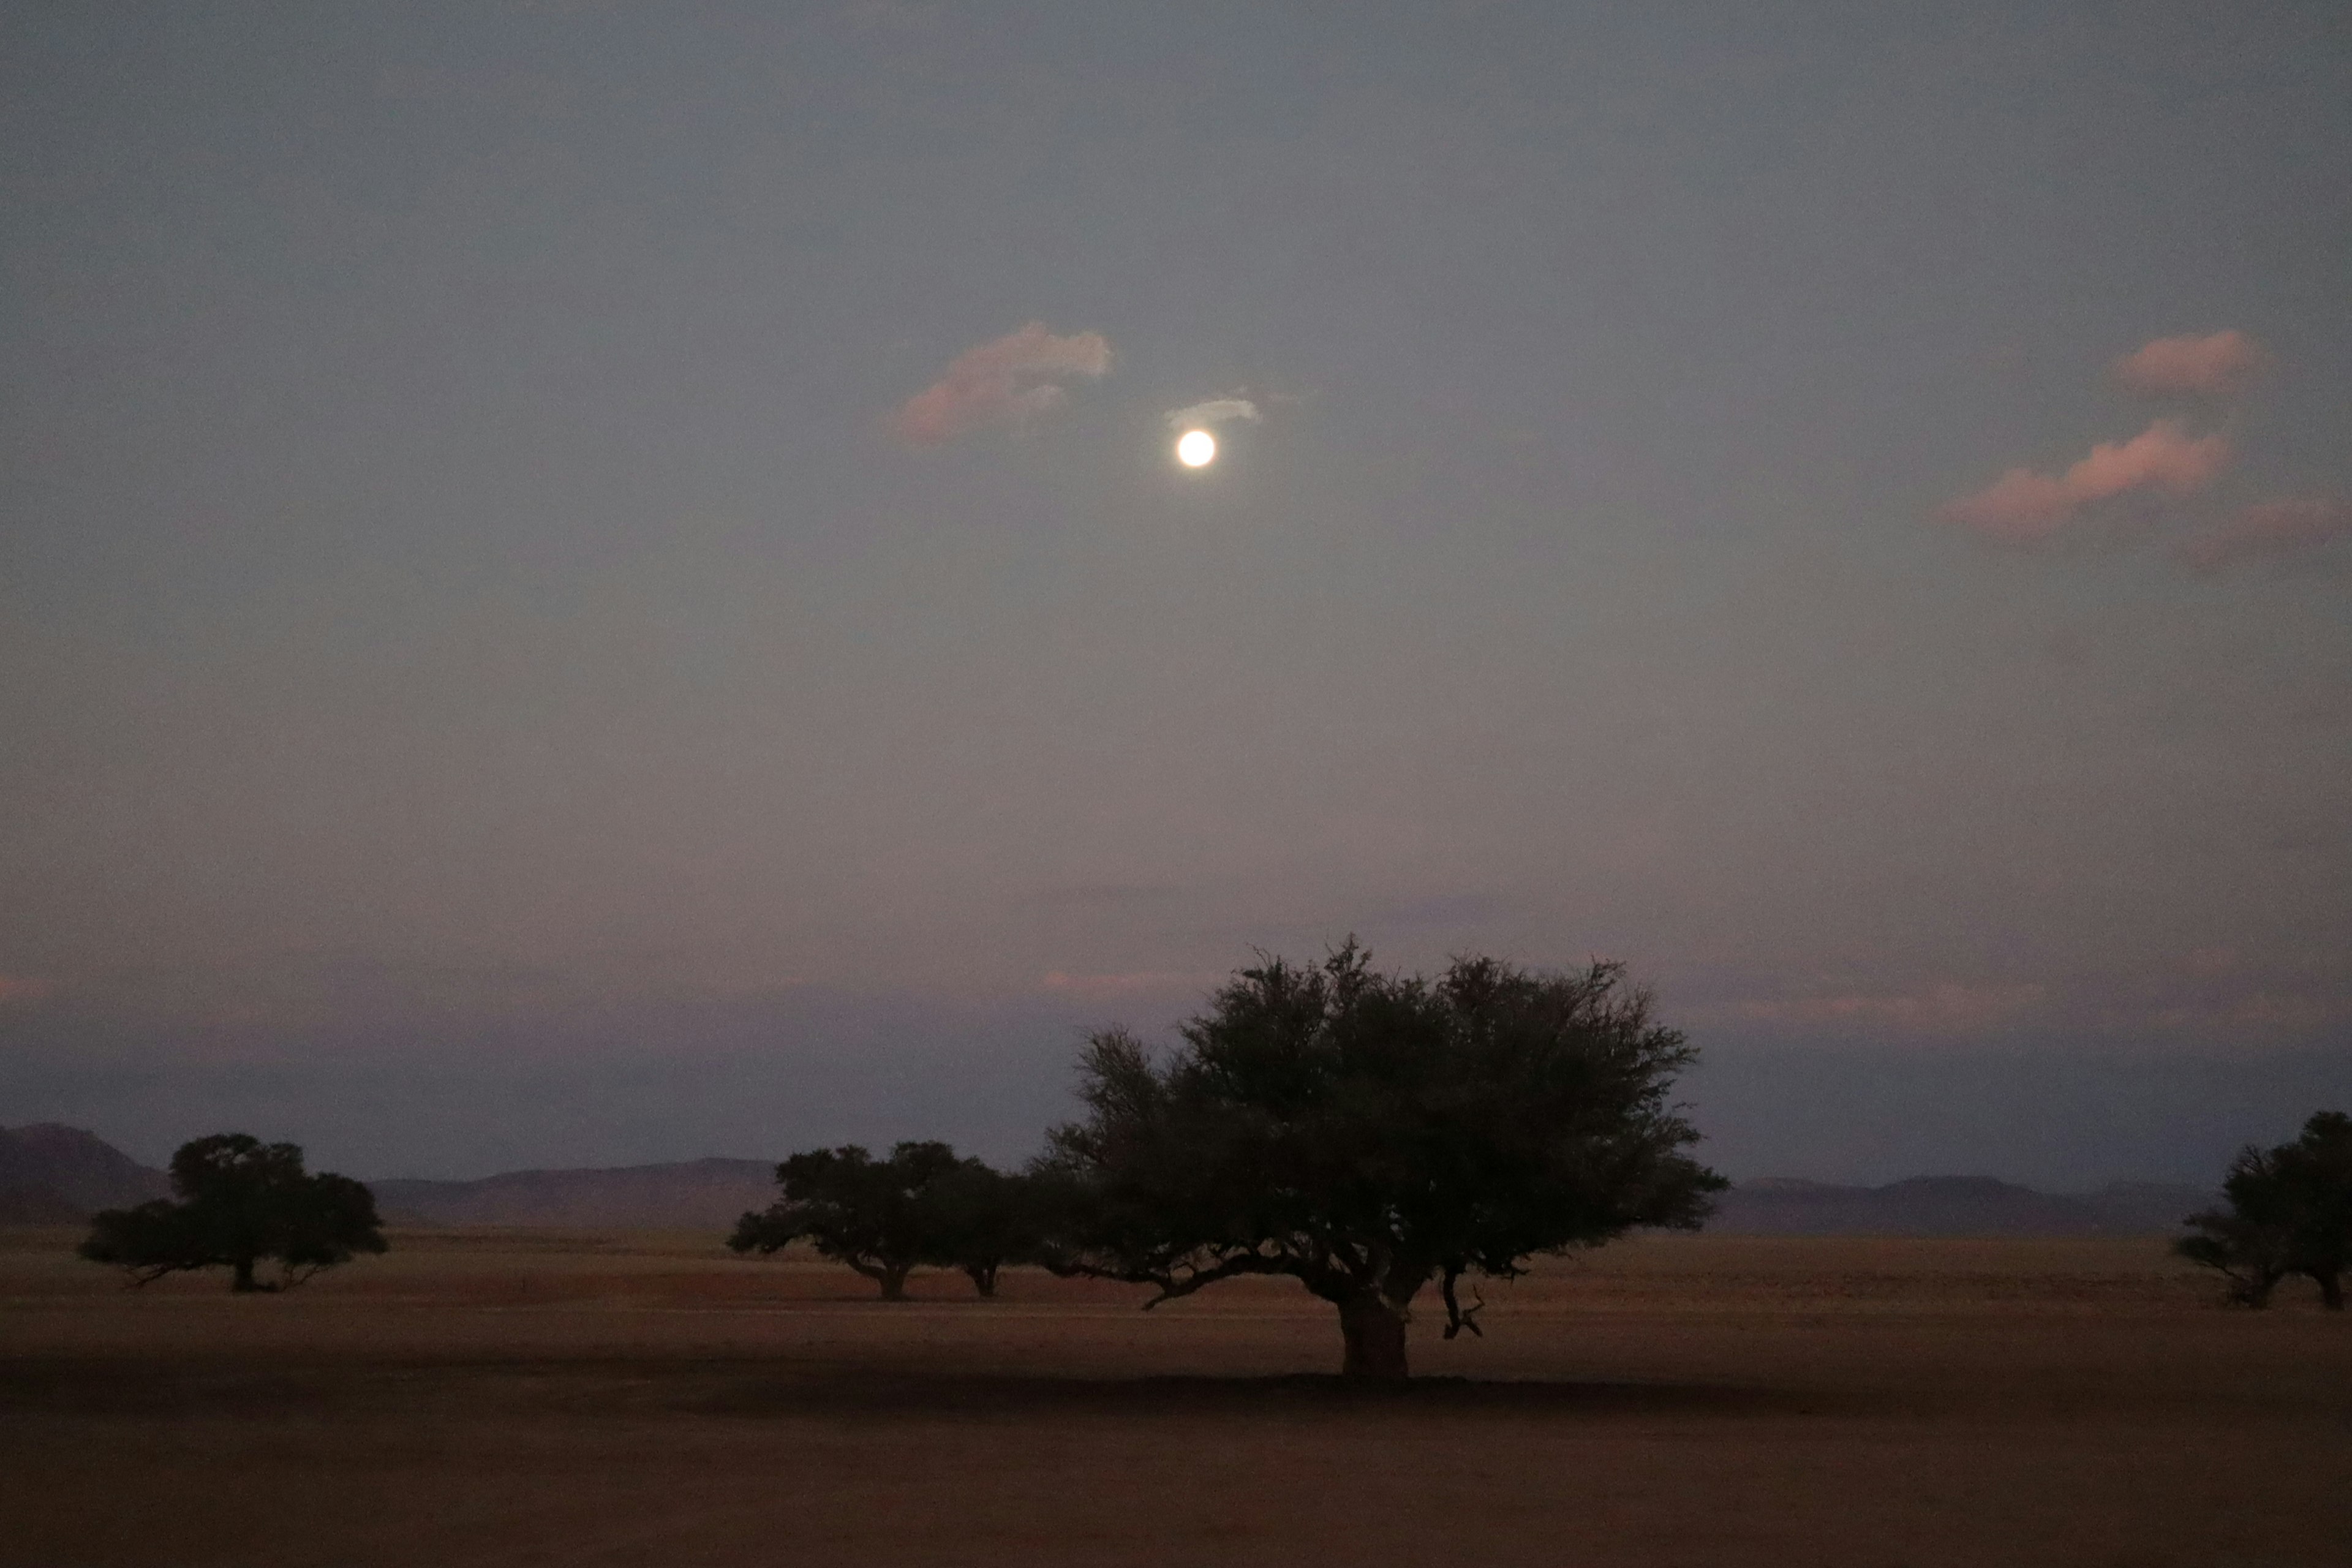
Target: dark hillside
x=64, y=1173
x=1950, y=1206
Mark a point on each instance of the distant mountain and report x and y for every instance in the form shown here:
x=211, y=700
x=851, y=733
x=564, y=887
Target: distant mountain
x=1951, y=1206
x=699, y=1194
x=51, y=1174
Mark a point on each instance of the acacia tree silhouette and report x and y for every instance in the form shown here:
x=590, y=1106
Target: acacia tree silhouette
x=1368, y=1134
x=2289, y=1212
x=882, y=1217
x=240, y=1201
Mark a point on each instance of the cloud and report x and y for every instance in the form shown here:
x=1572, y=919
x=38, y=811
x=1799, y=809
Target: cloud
x=1017, y=377
x=1137, y=983
x=1214, y=411
x=1946, y=1007
x=2211, y=365
x=2295, y=526
x=2022, y=507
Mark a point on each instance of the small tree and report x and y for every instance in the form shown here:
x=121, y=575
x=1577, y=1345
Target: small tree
x=1368, y=1134
x=241, y=1201
x=978, y=1220
x=2290, y=1212
x=2248, y=1242
x=873, y=1215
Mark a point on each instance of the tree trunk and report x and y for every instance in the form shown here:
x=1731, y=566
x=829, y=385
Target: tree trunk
x=1375, y=1335
x=984, y=1279
x=244, y=1280
x=893, y=1284
x=2331, y=1290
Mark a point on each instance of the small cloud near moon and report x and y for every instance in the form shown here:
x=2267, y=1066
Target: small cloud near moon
x=1214, y=411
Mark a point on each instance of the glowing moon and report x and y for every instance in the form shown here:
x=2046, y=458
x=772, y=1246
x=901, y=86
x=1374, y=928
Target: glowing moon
x=1196, y=449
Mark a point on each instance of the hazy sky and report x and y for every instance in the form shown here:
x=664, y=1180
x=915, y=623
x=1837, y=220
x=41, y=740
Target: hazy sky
x=583, y=582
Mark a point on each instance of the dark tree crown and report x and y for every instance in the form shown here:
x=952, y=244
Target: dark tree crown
x=241, y=1201
x=922, y=1205
x=1366, y=1132
x=2287, y=1210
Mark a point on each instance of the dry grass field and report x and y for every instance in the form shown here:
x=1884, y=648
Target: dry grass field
x=482, y=1397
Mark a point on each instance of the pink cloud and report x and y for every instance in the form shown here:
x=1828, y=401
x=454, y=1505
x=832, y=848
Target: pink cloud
x=2292, y=526
x=1016, y=377
x=2022, y=507
x=2210, y=365
x=22, y=988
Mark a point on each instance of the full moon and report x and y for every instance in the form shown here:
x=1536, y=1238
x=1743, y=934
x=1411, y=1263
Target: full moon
x=1196, y=449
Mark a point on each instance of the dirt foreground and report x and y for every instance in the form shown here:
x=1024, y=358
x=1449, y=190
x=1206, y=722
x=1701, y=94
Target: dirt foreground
x=522, y=1397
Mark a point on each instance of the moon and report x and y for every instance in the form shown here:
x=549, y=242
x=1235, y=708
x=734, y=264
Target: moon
x=1196, y=449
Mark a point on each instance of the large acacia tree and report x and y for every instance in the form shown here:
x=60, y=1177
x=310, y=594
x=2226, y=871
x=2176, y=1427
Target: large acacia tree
x=241, y=1202
x=1371, y=1134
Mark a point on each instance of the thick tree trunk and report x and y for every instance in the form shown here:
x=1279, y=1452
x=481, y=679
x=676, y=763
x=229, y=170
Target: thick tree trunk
x=893, y=1284
x=2331, y=1291
x=984, y=1279
x=244, y=1280
x=1375, y=1335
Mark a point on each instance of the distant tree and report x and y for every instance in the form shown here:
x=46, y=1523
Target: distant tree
x=879, y=1217
x=241, y=1201
x=2248, y=1242
x=978, y=1220
x=1368, y=1134
x=2289, y=1212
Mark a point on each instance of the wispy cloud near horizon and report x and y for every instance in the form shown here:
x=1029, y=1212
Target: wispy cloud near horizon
x=1136, y=983
x=1942, y=1008
x=1007, y=382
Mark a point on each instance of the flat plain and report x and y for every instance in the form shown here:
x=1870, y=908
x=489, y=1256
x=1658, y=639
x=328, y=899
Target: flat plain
x=484, y=1396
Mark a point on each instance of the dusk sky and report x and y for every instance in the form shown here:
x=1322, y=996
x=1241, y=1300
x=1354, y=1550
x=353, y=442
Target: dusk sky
x=583, y=583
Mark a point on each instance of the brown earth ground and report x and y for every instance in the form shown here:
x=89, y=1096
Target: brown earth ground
x=485, y=1396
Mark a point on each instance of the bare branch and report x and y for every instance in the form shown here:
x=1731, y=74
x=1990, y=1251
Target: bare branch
x=1232, y=1268
x=1457, y=1317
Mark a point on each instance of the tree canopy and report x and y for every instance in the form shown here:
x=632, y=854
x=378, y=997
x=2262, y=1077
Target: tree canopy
x=241, y=1201
x=2289, y=1211
x=1368, y=1134
x=979, y=1220
x=921, y=1205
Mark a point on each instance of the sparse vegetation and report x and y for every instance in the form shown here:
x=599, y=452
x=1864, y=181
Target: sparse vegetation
x=241, y=1201
x=2290, y=1212
x=922, y=1205
x=1368, y=1134
x=509, y=1394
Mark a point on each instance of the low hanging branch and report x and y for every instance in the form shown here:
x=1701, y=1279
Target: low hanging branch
x=1457, y=1316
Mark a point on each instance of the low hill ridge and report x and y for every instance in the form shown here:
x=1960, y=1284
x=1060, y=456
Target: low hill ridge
x=1952, y=1206
x=52, y=1175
